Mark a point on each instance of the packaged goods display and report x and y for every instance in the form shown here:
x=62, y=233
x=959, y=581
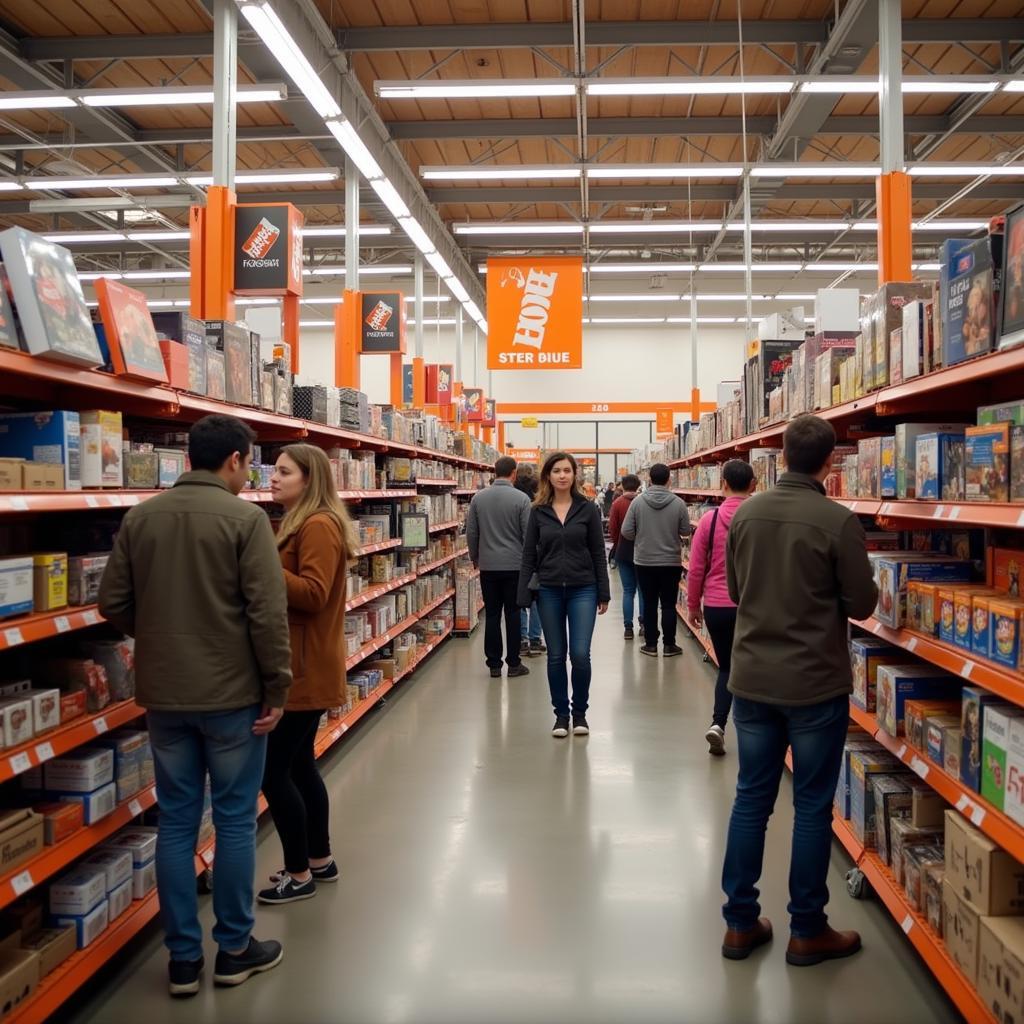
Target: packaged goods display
x=131, y=338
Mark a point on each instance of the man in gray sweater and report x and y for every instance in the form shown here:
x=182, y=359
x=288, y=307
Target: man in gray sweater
x=657, y=522
x=495, y=530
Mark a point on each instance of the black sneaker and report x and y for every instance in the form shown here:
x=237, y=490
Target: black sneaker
x=672, y=651
x=579, y=725
x=650, y=650
x=561, y=729
x=628, y=634
x=234, y=968
x=183, y=977
x=524, y=649
x=288, y=890
x=640, y=629
x=518, y=670
x=537, y=647
x=495, y=673
x=330, y=873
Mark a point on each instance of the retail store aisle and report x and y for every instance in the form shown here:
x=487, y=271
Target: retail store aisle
x=492, y=873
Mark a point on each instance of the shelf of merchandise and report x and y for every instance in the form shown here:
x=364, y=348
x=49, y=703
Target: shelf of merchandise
x=426, y=481
x=465, y=492
x=696, y=492
x=263, y=497
x=372, y=593
x=705, y=644
x=430, y=567
x=384, y=545
x=27, y=629
x=378, y=642
x=441, y=527
x=71, y=501
x=55, y=858
x=977, y=513
x=436, y=603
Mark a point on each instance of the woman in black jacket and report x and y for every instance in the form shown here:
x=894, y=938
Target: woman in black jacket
x=564, y=560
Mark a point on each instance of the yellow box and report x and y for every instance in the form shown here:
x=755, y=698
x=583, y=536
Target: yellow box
x=50, y=581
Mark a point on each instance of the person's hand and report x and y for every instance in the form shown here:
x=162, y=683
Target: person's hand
x=696, y=621
x=267, y=721
x=602, y=607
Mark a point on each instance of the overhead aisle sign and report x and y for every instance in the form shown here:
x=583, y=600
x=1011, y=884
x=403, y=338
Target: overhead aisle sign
x=535, y=313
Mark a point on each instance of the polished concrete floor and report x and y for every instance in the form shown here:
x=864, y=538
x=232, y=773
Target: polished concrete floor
x=491, y=873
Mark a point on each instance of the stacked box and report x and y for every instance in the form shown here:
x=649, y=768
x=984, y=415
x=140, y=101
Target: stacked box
x=899, y=683
x=49, y=437
x=972, y=725
x=906, y=452
x=866, y=654
x=893, y=571
x=969, y=311
x=995, y=751
x=864, y=764
x=939, y=466
x=987, y=462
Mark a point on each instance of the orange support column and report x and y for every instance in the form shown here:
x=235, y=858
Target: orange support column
x=290, y=327
x=695, y=404
x=346, y=342
x=894, y=227
x=501, y=435
x=212, y=244
x=397, y=381
x=488, y=435
x=419, y=382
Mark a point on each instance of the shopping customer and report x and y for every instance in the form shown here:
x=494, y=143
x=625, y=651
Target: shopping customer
x=798, y=569
x=622, y=553
x=533, y=642
x=495, y=531
x=564, y=563
x=706, y=584
x=315, y=542
x=658, y=523
x=194, y=577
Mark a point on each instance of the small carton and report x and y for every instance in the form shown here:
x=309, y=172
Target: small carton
x=45, y=709
x=936, y=734
x=913, y=340
x=50, y=581
x=994, y=751
x=116, y=863
x=78, y=891
x=10, y=474
x=961, y=928
x=963, y=613
x=927, y=809
x=140, y=842
x=41, y=476
x=16, y=724
x=854, y=741
x=120, y=899
x=1001, y=967
x=1006, y=625
x=88, y=927
x=59, y=821
x=866, y=654
x=972, y=719
x=887, y=471
x=52, y=945
x=980, y=871
x=16, y=586
x=952, y=748
x=864, y=764
x=916, y=860
x=892, y=799
x=899, y=683
x=102, y=449
x=902, y=835
x=916, y=712
x=21, y=837
x=81, y=771
x=73, y=705
x=893, y=571
x=980, y=632
x=936, y=472
x=906, y=453
x=84, y=575
x=987, y=462
x=869, y=467
x=143, y=879
x=931, y=896
x=19, y=976
x=95, y=805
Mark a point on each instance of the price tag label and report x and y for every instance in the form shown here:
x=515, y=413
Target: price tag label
x=912, y=644
x=19, y=504
x=13, y=637
x=886, y=508
x=1020, y=519
x=44, y=751
x=876, y=627
x=902, y=750
x=919, y=766
x=22, y=883
x=91, y=618
x=19, y=763
x=963, y=802
x=939, y=510
x=906, y=924
x=967, y=669
x=92, y=501
x=100, y=725
x=954, y=512
x=207, y=856
x=134, y=808
x=131, y=499
x=62, y=624
x=114, y=500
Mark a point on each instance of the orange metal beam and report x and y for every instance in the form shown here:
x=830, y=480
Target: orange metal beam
x=346, y=342
x=397, y=380
x=894, y=227
x=419, y=382
x=290, y=326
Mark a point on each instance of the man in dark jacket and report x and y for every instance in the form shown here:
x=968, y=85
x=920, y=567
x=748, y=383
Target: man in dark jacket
x=196, y=579
x=798, y=570
x=622, y=553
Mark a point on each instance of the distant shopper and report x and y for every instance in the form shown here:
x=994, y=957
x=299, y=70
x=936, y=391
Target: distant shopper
x=533, y=642
x=496, y=529
x=608, y=499
x=798, y=570
x=622, y=552
x=565, y=569
x=316, y=541
x=194, y=577
x=706, y=583
x=657, y=522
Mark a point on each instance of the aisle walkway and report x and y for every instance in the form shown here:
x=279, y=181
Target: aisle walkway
x=490, y=873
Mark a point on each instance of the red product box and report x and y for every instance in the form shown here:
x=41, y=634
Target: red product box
x=72, y=705
x=60, y=820
x=176, y=363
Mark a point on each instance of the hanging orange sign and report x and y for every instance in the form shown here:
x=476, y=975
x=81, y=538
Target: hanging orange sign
x=525, y=454
x=535, y=313
x=664, y=422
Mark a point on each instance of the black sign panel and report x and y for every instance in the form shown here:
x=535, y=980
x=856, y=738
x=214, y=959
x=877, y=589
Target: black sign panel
x=382, y=322
x=261, y=248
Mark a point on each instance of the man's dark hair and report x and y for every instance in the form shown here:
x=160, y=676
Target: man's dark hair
x=807, y=444
x=738, y=475
x=505, y=466
x=659, y=474
x=214, y=439
x=631, y=482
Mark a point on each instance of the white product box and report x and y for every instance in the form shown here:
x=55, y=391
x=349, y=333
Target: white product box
x=120, y=899
x=143, y=879
x=16, y=590
x=81, y=771
x=116, y=863
x=88, y=927
x=45, y=709
x=16, y=720
x=1013, y=801
x=913, y=340
x=837, y=309
x=141, y=842
x=128, y=785
x=95, y=805
x=101, y=449
x=787, y=326
x=77, y=892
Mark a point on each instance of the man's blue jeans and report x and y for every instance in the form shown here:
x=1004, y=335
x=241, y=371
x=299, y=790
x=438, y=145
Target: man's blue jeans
x=816, y=733
x=627, y=577
x=530, y=620
x=575, y=608
x=186, y=745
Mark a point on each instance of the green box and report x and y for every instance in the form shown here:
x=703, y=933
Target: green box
x=1011, y=412
x=994, y=745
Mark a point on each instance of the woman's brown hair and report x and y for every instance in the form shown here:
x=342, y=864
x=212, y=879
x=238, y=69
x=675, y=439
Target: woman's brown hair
x=545, y=492
x=320, y=496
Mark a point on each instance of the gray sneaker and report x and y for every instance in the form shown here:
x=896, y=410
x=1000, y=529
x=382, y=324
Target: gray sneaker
x=235, y=968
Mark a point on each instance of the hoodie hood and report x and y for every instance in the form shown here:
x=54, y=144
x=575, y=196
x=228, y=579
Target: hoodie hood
x=658, y=497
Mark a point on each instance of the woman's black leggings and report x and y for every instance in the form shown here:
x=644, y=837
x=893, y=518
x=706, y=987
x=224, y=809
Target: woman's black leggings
x=295, y=792
x=721, y=623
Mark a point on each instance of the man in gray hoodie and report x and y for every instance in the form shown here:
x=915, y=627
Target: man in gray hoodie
x=657, y=522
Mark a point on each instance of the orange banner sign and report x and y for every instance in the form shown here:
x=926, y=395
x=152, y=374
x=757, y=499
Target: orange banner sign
x=535, y=313
x=525, y=454
x=664, y=422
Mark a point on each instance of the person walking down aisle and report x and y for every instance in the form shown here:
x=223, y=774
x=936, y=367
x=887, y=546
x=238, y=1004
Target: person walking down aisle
x=657, y=522
x=495, y=530
x=798, y=570
x=533, y=643
x=564, y=557
x=194, y=577
x=607, y=500
x=622, y=553
x=315, y=541
x=706, y=582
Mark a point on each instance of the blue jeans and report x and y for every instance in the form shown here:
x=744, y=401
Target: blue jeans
x=575, y=607
x=530, y=620
x=627, y=577
x=186, y=745
x=816, y=733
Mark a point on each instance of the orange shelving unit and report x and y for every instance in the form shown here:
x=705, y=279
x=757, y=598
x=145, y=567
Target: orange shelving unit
x=372, y=593
x=431, y=566
x=441, y=527
x=27, y=629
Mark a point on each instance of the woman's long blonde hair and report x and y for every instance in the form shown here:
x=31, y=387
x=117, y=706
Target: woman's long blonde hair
x=545, y=492
x=320, y=496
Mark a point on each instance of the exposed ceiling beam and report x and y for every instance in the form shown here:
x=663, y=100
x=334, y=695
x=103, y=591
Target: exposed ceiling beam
x=159, y=137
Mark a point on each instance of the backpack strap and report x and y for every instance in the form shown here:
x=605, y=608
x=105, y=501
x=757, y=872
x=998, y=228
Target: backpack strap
x=711, y=539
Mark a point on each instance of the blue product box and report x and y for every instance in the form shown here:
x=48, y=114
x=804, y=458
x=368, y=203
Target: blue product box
x=863, y=765
x=842, y=797
x=88, y=927
x=968, y=311
x=974, y=700
x=894, y=571
x=899, y=683
x=16, y=586
x=52, y=437
x=935, y=464
x=888, y=467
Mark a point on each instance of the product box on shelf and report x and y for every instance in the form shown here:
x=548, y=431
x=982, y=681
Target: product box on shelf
x=906, y=453
x=101, y=449
x=59, y=820
x=41, y=476
x=961, y=928
x=1009, y=412
x=52, y=946
x=969, y=311
x=45, y=709
x=115, y=863
x=893, y=571
x=78, y=891
x=887, y=467
x=84, y=575
x=140, y=842
x=980, y=871
x=866, y=654
x=175, y=358
x=190, y=332
x=917, y=712
x=120, y=899
x=216, y=374
x=1001, y=967
x=88, y=927
x=1007, y=570
x=19, y=976
x=233, y=341
x=892, y=798
x=131, y=339
x=141, y=470
x=50, y=581
x=81, y=771
x=95, y=805
x=16, y=597
x=972, y=723
x=940, y=730
x=16, y=726
x=939, y=466
x=980, y=641
x=863, y=764
x=987, y=462
x=995, y=748
x=1005, y=631
x=1017, y=463
x=913, y=339
x=885, y=313
x=21, y=837
x=963, y=613
x=49, y=438
x=869, y=467
x=899, y=683
x=903, y=835
x=916, y=861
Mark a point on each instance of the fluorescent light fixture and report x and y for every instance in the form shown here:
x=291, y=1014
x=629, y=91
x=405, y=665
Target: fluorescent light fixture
x=157, y=275
x=281, y=177
x=10, y=186
x=326, y=231
x=830, y=268
x=835, y=84
x=158, y=236
x=439, y=265
x=815, y=170
x=950, y=225
x=434, y=321
x=652, y=171
x=378, y=269
x=810, y=226
x=34, y=101
x=458, y=289
x=703, y=319
x=109, y=274
x=522, y=227
x=647, y=297
x=625, y=320
x=417, y=235
x=125, y=181
x=256, y=302
x=334, y=300
x=1014, y=85
x=653, y=227
x=931, y=84
x=796, y=297
x=965, y=170
x=641, y=268
x=355, y=149
x=160, y=303
x=716, y=85
x=293, y=61
x=71, y=237
x=316, y=323
x=726, y=297
x=501, y=172
x=739, y=268
x=453, y=89
x=928, y=267
x=389, y=196
x=162, y=96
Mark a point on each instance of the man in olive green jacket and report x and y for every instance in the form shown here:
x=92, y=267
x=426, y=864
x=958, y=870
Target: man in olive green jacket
x=798, y=570
x=196, y=579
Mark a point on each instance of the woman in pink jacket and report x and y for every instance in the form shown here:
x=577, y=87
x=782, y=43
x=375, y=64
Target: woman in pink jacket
x=706, y=580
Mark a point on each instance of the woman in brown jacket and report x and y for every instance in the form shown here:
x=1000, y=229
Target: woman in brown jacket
x=315, y=541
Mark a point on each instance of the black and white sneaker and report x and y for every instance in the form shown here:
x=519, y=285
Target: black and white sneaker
x=288, y=890
x=716, y=740
x=537, y=647
x=672, y=651
x=235, y=968
x=628, y=633
x=524, y=649
x=328, y=873
x=183, y=977
x=561, y=729
x=579, y=725
x=650, y=650
x=518, y=670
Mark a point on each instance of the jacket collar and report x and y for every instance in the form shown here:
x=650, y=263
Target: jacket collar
x=203, y=478
x=502, y=482
x=800, y=480
x=577, y=503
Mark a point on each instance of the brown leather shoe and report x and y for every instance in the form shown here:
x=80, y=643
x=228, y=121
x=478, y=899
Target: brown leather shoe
x=739, y=945
x=829, y=945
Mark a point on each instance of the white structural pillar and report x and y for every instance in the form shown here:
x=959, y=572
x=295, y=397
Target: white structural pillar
x=351, y=226
x=476, y=356
x=458, y=342
x=890, y=81
x=225, y=77
x=693, y=332
x=418, y=305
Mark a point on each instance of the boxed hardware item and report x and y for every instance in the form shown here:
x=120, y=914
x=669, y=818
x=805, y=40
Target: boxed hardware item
x=117, y=864
x=16, y=724
x=21, y=837
x=47, y=437
x=139, y=841
x=939, y=730
x=903, y=835
x=59, y=821
x=10, y=474
x=73, y=705
x=120, y=899
x=16, y=595
x=143, y=879
x=84, y=575
x=41, y=476
x=968, y=316
x=88, y=927
x=917, y=712
x=102, y=449
x=19, y=976
x=81, y=771
x=1001, y=967
x=52, y=946
x=216, y=374
x=78, y=891
x=961, y=929
x=95, y=805
x=994, y=751
x=309, y=402
x=980, y=871
x=987, y=462
x=972, y=724
x=938, y=469
x=50, y=581
x=899, y=683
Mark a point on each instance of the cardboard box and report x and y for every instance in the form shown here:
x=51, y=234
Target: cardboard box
x=893, y=571
x=938, y=466
x=952, y=750
x=931, y=896
x=19, y=976
x=980, y=871
x=903, y=835
x=963, y=613
x=84, y=575
x=927, y=809
x=192, y=334
x=863, y=765
x=995, y=747
x=1006, y=625
x=102, y=449
x=10, y=474
x=41, y=476
x=892, y=799
x=961, y=928
x=913, y=339
x=115, y=862
x=906, y=452
x=95, y=805
x=987, y=462
x=88, y=927
x=52, y=437
x=21, y=837
x=143, y=879
x=866, y=654
x=1001, y=967
x=81, y=771
x=854, y=741
x=916, y=861
x=980, y=625
x=16, y=586
x=139, y=841
x=1007, y=566
x=937, y=735
x=120, y=899
x=73, y=705
x=16, y=721
x=924, y=609
x=51, y=945
x=176, y=363
x=59, y=820
x=972, y=719
x=917, y=712
x=78, y=891
x=899, y=683
x=50, y=581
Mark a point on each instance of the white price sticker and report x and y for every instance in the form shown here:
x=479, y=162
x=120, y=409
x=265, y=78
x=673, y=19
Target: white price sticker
x=19, y=763
x=19, y=504
x=1020, y=519
x=134, y=808
x=876, y=627
x=131, y=499
x=91, y=618
x=954, y=512
x=100, y=725
x=901, y=751
x=13, y=637
x=963, y=802
x=207, y=856
x=967, y=669
x=114, y=500
x=62, y=624
x=977, y=816
x=906, y=924
x=939, y=509
x=44, y=751
x=22, y=883
x=912, y=644
x=919, y=766
x=92, y=501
